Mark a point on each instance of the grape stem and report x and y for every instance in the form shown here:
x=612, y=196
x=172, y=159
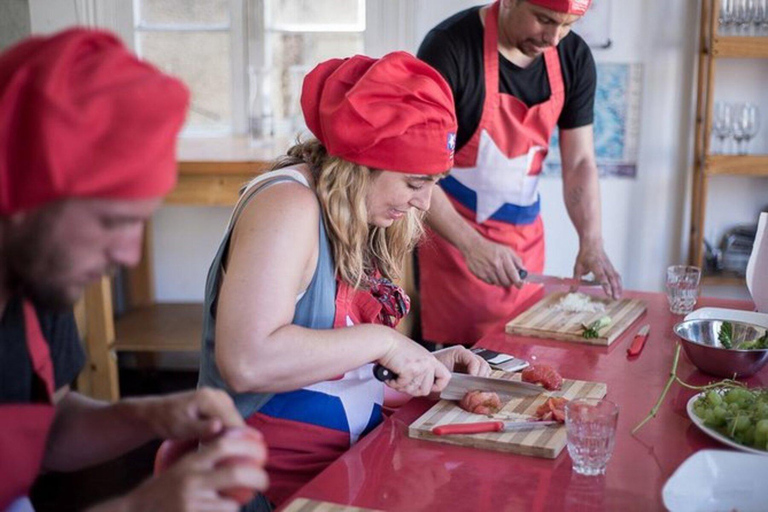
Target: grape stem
x=729, y=383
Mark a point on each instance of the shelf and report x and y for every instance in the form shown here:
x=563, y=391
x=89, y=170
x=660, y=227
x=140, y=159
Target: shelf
x=740, y=47
x=743, y=165
x=723, y=279
x=160, y=328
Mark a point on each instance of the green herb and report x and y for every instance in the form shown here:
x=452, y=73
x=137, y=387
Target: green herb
x=592, y=330
x=725, y=336
x=758, y=344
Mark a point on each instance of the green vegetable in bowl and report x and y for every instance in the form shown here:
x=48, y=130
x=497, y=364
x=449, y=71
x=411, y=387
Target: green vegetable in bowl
x=592, y=330
x=725, y=336
x=759, y=344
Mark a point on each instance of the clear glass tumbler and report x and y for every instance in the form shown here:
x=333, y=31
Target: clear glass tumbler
x=682, y=288
x=590, y=425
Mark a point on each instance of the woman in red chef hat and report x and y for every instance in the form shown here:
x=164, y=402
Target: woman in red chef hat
x=300, y=302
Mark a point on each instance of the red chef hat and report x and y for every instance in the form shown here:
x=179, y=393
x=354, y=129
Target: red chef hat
x=80, y=116
x=565, y=6
x=394, y=113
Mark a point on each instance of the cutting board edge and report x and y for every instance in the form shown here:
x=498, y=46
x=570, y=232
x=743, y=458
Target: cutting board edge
x=533, y=332
x=542, y=452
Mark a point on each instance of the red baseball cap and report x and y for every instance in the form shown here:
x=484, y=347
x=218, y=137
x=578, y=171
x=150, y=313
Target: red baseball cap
x=81, y=116
x=394, y=113
x=578, y=7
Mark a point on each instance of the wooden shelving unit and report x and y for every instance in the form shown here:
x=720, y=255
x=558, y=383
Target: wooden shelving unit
x=712, y=47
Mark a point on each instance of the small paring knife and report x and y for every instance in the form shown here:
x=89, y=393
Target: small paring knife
x=638, y=342
x=490, y=426
x=563, y=281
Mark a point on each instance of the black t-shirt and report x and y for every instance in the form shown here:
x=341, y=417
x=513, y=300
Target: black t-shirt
x=455, y=48
x=17, y=380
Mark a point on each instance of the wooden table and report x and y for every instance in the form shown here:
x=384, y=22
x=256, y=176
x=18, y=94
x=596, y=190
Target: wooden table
x=389, y=471
x=211, y=172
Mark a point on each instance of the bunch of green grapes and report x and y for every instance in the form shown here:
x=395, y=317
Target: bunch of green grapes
x=738, y=413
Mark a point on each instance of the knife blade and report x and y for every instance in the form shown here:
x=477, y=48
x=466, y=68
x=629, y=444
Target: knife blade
x=638, y=342
x=490, y=426
x=461, y=383
x=564, y=281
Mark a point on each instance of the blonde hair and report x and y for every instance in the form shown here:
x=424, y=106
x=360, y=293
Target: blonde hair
x=359, y=249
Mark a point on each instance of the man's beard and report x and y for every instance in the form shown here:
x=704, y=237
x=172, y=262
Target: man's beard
x=33, y=266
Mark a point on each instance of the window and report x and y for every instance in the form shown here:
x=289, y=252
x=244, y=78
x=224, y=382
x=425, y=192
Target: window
x=239, y=57
x=293, y=37
x=197, y=41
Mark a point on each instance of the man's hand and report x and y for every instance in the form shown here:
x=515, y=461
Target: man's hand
x=592, y=258
x=194, y=483
x=202, y=413
x=494, y=263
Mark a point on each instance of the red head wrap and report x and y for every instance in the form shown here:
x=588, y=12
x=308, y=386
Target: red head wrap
x=578, y=7
x=395, y=113
x=80, y=116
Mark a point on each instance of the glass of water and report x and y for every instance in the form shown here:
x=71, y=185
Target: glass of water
x=682, y=288
x=590, y=425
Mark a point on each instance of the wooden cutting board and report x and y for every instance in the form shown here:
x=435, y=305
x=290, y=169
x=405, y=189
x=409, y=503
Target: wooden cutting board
x=542, y=322
x=305, y=505
x=545, y=442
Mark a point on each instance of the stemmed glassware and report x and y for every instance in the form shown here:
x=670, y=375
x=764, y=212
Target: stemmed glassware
x=721, y=125
x=743, y=17
x=749, y=119
x=740, y=121
x=726, y=15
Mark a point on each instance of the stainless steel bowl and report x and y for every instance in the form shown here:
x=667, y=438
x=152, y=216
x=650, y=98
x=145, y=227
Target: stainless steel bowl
x=701, y=344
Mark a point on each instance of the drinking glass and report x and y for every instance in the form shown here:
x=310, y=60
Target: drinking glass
x=759, y=16
x=750, y=121
x=721, y=124
x=737, y=127
x=682, y=288
x=744, y=11
x=590, y=425
x=725, y=16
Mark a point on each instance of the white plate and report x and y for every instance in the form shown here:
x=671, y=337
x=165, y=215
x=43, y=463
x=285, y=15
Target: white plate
x=750, y=317
x=714, y=434
x=718, y=480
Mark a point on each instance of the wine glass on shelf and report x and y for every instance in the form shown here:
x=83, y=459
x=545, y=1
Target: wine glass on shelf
x=737, y=127
x=744, y=11
x=750, y=120
x=761, y=17
x=725, y=16
x=721, y=125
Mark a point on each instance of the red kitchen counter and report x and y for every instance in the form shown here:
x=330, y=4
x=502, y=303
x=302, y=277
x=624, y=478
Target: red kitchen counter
x=389, y=471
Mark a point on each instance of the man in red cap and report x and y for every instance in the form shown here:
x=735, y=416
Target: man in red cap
x=87, y=143
x=516, y=73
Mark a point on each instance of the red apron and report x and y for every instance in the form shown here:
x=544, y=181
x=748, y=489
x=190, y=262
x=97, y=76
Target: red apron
x=24, y=427
x=499, y=167
x=300, y=449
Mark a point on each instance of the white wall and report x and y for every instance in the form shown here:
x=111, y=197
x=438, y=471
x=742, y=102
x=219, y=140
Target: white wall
x=645, y=220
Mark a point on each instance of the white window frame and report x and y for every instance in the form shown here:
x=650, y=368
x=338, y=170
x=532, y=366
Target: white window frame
x=390, y=25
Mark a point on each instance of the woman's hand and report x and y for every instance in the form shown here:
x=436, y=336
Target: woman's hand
x=418, y=372
x=462, y=360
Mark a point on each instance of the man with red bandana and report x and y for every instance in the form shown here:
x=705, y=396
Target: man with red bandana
x=87, y=151
x=516, y=72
